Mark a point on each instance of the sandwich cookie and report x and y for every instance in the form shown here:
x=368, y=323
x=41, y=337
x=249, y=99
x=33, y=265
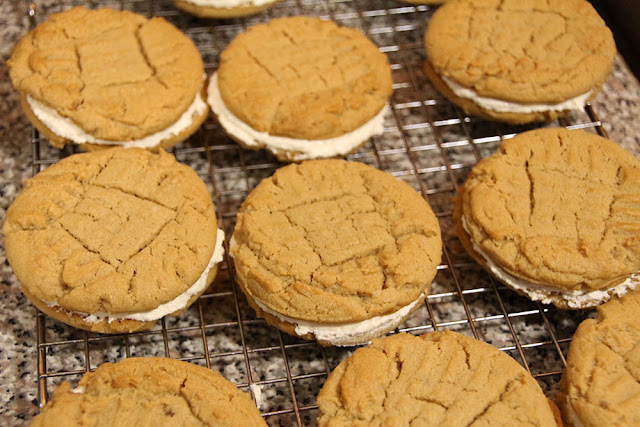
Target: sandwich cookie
x=600, y=384
x=150, y=391
x=335, y=251
x=554, y=214
x=438, y=379
x=518, y=62
x=323, y=94
x=113, y=240
x=105, y=77
x=223, y=8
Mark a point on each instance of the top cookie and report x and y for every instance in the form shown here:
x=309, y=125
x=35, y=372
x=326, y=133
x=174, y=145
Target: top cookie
x=323, y=82
x=115, y=74
x=335, y=241
x=438, y=379
x=521, y=51
x=601, y=383
x=150, y=391
x=115, y=231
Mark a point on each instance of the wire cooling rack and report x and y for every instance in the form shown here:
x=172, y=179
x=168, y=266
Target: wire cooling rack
x=428, y=142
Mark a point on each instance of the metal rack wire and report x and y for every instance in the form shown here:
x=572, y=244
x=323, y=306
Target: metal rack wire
x=428, y=142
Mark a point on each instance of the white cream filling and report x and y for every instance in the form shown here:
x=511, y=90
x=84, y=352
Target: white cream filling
x=571, y=415
x=514, y=107
x=304, y=148
x=257, y=394
x=66, y=128
x=78, y=390
x=536, y=292
x=172, y=306
x=346, y=334
x=228, y=3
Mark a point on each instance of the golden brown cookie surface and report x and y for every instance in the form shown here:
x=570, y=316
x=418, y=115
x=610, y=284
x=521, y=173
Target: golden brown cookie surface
x=115, y=74
x=440, y=378
x=335, y=241
x=324, y=82
x=528, y=52
x=557, y=208
x=150, y=391
x=601, y=383
x=116, y=231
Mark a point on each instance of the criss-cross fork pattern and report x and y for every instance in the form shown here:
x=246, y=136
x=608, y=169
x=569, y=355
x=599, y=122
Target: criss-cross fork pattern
x=428, y=142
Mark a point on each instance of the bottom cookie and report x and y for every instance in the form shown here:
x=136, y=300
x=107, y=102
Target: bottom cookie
x=149, y=391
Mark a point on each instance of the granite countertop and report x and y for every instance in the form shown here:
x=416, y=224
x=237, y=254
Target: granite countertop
x=617, y=106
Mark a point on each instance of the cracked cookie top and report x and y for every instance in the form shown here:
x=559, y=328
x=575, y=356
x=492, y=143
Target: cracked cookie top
x=521, y=51
x=114, y=231
x=601, y=383
x=115, y=74
x=558, y=208
x=303, y=78
x=440, y=378
x=150, y=391
x=335, y=241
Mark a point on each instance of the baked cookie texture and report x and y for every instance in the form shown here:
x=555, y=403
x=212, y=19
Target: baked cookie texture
x=150, y=391
x=525, y=52
x=601, y=382
x=556, y=208
x=334, y=242
x=115, y=74
x=325, y=80
x=212, y=11
x=440, y=378
x=110, y=233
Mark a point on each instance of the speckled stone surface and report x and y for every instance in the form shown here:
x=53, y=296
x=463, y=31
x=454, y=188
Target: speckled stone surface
x=253, y=354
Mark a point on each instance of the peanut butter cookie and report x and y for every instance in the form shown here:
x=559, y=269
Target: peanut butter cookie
x=150, y=391
x=105, y=77
x=554, y=214
x=323, y=94
x=600, y=385
x=438, y=379
x=334, y=250
x=518, y=61
x=112, y=240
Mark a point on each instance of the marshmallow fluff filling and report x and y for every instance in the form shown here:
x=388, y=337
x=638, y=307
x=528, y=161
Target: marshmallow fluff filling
x=571, y=414
x=304, y=149
x=573, y=298
x=228, y=3
x=66, y=128
x=344, y=334
x=500, y=106
x=172, y=306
